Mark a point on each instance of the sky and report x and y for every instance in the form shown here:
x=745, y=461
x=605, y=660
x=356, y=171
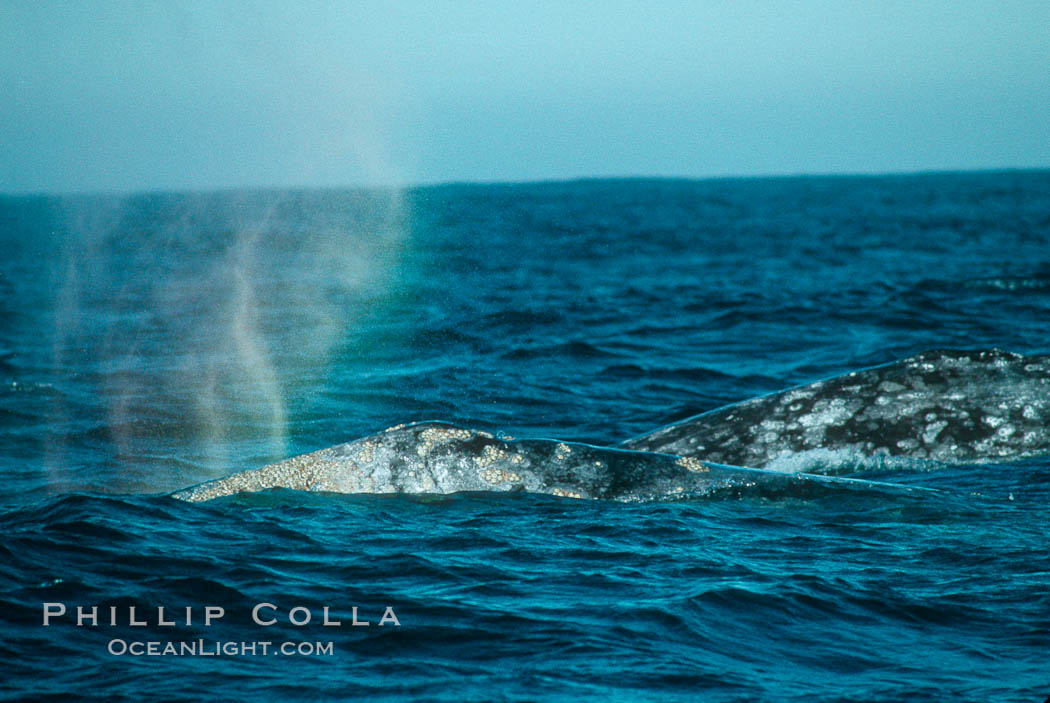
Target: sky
x=122, y=96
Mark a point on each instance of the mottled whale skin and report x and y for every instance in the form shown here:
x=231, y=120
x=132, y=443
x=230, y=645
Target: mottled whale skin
x=436, y=457
x=950, y=406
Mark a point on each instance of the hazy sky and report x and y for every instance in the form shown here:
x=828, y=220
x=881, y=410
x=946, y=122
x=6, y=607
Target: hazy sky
x=157, y=95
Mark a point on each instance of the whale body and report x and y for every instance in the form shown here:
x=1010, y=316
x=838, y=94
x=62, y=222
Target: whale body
x=950, y=406
x=433, y=457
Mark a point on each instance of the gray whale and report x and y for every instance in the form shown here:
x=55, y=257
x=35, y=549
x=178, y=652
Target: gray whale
x=434, y=457
x=948, y=406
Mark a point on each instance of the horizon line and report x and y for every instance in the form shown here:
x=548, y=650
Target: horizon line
x=422, y=185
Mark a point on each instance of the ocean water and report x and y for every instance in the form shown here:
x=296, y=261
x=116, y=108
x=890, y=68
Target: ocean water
x=153, y=341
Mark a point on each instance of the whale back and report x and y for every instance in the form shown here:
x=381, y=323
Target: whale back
x=946, y=405
x=439, y=458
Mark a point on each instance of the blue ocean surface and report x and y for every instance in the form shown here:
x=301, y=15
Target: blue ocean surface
x=153, y=341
